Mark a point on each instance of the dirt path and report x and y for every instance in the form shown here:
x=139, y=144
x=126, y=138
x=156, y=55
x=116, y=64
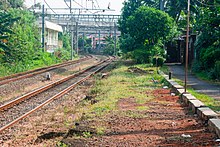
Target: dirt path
x=197, y=84
x=165, y=123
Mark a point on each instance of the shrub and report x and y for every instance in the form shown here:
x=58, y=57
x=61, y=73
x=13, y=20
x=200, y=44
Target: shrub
x=158, y=61
x=217, y=69
x=196, y=66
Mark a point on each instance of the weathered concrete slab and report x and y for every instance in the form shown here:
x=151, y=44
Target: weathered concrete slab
x=187, y=97
x=182, y=96
x=214, y=126
x=177, y=86
x=206, y=113
x=180, y=91
x=195, y=104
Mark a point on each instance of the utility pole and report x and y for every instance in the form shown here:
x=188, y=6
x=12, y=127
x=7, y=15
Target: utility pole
x=187, y=46
x=43, y=21
x=83, y=42
x=76, y=43
x=71, y=30
x=115, y=38
x=162, y=2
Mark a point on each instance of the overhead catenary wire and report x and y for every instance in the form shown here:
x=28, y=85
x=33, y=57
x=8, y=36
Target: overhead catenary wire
x=66, y=4
x=49, y=7
x=97, y=4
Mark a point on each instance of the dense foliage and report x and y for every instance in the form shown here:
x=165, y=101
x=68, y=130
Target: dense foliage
x=20, y=43
x=136, y=26
x=142, y=38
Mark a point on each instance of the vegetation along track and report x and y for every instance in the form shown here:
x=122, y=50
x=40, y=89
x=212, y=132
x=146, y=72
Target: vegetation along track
x=14, y=77
x=17, y=110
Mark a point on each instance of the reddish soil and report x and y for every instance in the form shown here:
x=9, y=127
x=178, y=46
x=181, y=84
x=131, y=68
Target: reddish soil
x=165, y=123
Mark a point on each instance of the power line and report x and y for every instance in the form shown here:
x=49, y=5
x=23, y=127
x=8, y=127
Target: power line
x=97, y=4
x=202, y=3
x=49, y=7
x=66, y=4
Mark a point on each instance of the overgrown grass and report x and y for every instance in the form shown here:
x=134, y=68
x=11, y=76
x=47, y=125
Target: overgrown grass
x=45, y=59
x=122, y=84
x=165, y=69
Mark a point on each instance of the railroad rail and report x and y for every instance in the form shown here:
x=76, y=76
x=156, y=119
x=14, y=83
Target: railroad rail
x=30, y=103
x=27, y=74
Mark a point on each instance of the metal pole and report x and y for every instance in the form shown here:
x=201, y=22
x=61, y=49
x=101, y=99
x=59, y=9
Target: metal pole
x=43, y=21
x=77, y=45
x=71, y=30
x=115, y=39
x=187, y=46
x=83, y=41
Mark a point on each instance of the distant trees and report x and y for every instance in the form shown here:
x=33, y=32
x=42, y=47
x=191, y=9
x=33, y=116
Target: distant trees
x=143, y=32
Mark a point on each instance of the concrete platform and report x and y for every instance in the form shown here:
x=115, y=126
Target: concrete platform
x=214, y=126
x=195, y=104
x=206, y=113
x=180, y=91
x=187, y=97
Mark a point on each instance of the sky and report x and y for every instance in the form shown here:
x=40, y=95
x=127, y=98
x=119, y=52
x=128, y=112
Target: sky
x=102, y=4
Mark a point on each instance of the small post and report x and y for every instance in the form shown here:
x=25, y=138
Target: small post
x=170, y=75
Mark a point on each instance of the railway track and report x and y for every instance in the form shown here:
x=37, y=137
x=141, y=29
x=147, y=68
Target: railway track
x=27, y=74
x=14, y=111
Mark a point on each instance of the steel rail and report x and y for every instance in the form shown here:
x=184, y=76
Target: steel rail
x=15, y=77
x=44, y=88
x=58, y=95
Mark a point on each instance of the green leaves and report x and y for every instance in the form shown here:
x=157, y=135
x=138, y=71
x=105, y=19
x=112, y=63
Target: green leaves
x=6, y=22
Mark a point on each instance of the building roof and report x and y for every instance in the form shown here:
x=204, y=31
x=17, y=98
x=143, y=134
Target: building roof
x=51, y=26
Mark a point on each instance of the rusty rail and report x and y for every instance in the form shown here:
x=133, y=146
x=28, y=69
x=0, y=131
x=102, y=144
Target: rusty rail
x=27, y=74
x=42, y=89
x=58, y=95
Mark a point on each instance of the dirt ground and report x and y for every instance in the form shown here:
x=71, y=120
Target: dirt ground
x=165, y=123
x=162, y=121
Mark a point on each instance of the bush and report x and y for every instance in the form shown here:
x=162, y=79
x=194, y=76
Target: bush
x=209, y=56
x=158, y=61
x=217, y=69
x=196, y=66
x=142, y=55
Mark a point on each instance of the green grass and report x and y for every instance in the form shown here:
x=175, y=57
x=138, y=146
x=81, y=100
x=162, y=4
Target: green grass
x=122, y=84
x=165, y=69
x=207, y=100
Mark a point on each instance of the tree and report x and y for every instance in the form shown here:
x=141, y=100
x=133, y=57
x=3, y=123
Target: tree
x=6, y=22
x=24, y=43
x=6, y=4
x=149, y=25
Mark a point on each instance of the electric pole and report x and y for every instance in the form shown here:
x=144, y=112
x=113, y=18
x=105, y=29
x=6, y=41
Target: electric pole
x=76, y=43
x=187, y=46
x=115, y=38
x=43, y=29
x=71, y=30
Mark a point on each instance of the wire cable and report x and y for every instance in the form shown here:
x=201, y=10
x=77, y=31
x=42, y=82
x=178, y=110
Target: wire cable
x=49, y=7
x=66, y=4
x=97, y=4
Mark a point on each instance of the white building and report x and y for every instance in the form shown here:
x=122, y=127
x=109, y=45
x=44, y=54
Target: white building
x=51, y=35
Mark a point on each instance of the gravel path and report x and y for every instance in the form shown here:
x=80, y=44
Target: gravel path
x=197, y=84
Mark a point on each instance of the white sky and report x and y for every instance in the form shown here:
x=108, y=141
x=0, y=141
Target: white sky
x=114, y=4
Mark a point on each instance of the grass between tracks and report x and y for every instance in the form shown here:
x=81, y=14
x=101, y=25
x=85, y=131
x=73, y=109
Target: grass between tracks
x=121, y=83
